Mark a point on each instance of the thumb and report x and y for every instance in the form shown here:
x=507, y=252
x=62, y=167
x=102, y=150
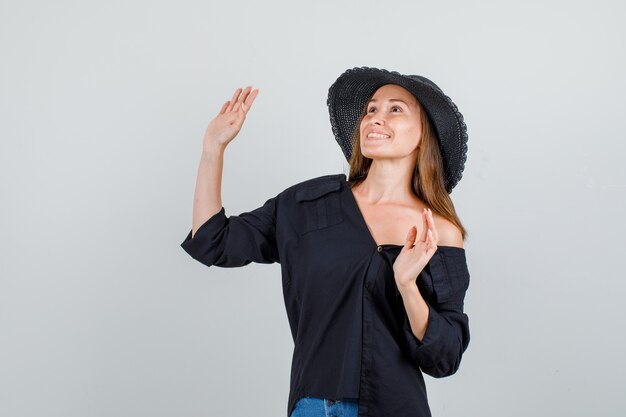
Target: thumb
x=410, y=237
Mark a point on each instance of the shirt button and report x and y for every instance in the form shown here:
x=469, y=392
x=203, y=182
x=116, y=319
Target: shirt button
x=380, y=248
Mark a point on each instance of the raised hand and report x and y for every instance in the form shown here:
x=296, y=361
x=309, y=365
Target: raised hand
x=227, y=124
x=416, y=254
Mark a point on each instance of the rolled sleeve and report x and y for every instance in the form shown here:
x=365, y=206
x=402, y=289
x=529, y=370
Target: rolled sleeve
x=236, y=240
x=447, y=334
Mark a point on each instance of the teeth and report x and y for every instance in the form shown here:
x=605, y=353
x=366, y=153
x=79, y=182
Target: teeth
x=377, y=135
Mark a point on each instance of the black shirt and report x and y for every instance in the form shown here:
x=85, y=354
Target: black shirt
x=350, y=329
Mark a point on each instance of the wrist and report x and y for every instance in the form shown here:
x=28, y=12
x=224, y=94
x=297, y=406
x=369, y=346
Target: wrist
x=213, y=149
x=409, y=289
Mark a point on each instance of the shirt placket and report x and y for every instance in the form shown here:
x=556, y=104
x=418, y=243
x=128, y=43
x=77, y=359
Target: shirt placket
x=365, y=386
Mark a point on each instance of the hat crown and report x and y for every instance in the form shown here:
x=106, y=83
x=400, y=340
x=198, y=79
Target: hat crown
x=426, y=81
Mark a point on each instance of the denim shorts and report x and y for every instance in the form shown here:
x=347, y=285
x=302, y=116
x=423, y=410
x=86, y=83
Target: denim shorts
x=319, y=407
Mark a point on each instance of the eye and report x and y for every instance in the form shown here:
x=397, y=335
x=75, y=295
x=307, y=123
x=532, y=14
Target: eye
x=373, y=108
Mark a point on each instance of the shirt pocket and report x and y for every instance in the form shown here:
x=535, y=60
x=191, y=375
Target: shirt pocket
x=319, y=207
x=449, y=276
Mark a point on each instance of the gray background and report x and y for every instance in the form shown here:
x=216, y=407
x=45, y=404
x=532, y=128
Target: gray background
x=103, y=108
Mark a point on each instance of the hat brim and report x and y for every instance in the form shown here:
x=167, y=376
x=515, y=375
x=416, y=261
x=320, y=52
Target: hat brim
x=349, y=94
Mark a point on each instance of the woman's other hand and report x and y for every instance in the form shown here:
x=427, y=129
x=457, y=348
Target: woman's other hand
x=227, y=124
x=416, y=254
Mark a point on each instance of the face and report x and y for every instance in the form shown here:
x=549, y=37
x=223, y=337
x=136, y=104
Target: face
x=393, y=112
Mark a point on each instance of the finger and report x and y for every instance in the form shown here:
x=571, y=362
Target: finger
x=239, y=107
x=240, y=97
x=410, y=237
x=245, y=93
x=224, y=107
x=250, y=99
x=424, y=226
x=431, y=240
x=431, y=223
x=233, y=100
x=245, y=105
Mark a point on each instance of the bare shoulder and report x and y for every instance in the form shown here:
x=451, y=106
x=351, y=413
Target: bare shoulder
x=449, y=233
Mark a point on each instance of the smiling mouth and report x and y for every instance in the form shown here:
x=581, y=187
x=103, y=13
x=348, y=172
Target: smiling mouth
x=377, y=136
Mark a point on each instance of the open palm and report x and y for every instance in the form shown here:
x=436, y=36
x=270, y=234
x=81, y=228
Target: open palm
x=227, y=124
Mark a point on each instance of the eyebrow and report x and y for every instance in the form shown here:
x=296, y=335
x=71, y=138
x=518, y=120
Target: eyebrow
x=391, y=99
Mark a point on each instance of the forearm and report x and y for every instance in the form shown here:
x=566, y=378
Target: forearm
x=416, y=309
x=208, y=193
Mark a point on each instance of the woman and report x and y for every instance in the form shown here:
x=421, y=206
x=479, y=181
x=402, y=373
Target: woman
x=373, y=266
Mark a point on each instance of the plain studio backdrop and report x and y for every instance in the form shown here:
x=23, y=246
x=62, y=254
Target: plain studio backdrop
x=103, y=109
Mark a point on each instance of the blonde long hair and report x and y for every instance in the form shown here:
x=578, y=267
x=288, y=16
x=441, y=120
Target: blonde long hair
x=427, y=184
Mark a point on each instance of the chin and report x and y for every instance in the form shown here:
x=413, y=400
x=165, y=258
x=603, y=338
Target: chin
x=374, y=155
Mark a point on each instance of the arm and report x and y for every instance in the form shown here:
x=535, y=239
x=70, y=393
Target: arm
x=227, y=241
x=215, y=239
x=236, y=240
x=417, y=310
x=207, y=199
x=445, y=326
x=219, y=133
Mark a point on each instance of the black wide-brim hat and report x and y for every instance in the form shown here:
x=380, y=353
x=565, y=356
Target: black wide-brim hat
x=349, y=94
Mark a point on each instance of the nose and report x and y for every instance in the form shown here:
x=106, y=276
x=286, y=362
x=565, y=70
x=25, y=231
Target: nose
x=379, y=120
x=376, y=119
